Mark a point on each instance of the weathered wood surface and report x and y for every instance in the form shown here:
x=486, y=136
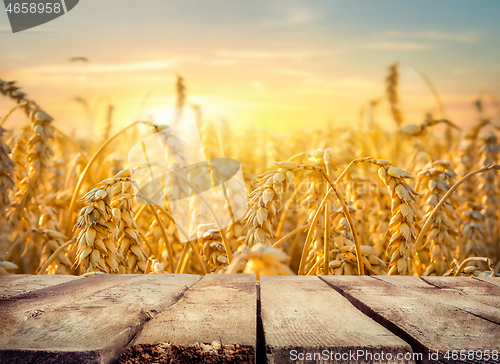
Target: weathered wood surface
x=86, y=320
x=16, y=284
x=427, y=317
x=214, y=322
x=231, y=318
x=485, y=308
x=491, y=280
x=302, y=315
x=470, y=288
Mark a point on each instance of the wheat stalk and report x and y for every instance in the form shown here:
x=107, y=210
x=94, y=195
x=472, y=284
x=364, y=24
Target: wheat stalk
x=489, y=191
x=55, y=254
x=39, y=155
x=421, y=130
x=473, y=230
x=49, y=237
x=434, y=180
x=180, y=100
x=213, y=250
x=471, y=270
x=19, y=154
x=6, y=173
x=265, y=201
x=402, y=224
x=392, y=81
x=127, y=234
x=97, y=233
x=428, y=222
x=109, y=123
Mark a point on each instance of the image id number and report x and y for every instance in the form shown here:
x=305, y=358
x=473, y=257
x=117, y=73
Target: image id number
x=25, y=8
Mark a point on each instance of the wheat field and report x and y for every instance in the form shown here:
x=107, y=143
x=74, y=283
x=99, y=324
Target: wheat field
x=342, y=200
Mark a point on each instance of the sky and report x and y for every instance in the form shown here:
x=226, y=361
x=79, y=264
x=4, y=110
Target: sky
x=280, y=65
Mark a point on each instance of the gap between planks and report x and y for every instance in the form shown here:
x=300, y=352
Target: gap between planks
x=365, y=309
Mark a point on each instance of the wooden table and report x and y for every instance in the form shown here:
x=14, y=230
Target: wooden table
x=177, y=318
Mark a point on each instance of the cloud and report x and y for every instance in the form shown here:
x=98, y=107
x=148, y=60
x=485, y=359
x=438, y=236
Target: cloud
x=252, y=54
x=431, y=35
x=109, y=68
x=288, y=13
x=416, y=41
x=399, y=46
x=301, y=15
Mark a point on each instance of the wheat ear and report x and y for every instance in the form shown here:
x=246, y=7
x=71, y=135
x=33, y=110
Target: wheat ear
x=402, y=225
x=97, y=232
x=6, y=173
x=434, y=180
x=428, y=222
x=392, y=93
x=123, y=215
x=40, y=154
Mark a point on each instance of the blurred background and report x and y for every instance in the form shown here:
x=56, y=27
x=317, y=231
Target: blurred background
x=281, y=65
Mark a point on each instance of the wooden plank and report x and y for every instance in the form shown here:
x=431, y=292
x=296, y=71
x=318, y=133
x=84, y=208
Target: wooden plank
x=9, y=278
x=463, y=284
x=87, y=320
x=214, y=322
x=12, y=286
x=490, y=280
x=302, y=316
x=409, y=282
x=432, y=320
x=485, y=307
x=470, y=288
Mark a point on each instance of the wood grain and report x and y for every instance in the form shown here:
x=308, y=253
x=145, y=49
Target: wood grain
x=427, y=317
x=16, y=284
x=469, y=288
x=86, y=320
x=214, y=322
x=306, y=315
x=490, y=280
